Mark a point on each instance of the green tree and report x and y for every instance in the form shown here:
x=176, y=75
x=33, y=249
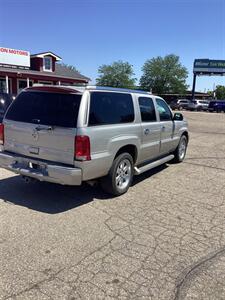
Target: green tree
x=71, y=67
x=118, y=74
x=220, y=92
x=164, y=75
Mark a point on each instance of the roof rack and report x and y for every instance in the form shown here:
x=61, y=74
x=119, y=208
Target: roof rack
x=82, y=88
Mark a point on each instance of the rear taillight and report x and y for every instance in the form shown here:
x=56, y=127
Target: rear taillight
x=82, y=148
x=1, y=134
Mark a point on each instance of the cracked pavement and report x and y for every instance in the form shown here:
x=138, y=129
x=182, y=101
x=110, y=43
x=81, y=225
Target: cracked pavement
x=164, y=239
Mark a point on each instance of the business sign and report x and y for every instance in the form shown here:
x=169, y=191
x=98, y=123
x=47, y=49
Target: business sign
x=209, y=66
x=14, y=57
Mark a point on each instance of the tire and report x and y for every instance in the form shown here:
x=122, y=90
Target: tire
x=118, y=180
x=180, y=152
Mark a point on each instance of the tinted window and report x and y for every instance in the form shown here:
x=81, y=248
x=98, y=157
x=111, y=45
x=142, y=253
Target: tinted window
x=164, y=111
x=45, y=108
x=110, y=108
x=147, y=109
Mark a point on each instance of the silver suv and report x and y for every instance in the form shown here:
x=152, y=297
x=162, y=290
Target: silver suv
x=198, y=105
x=70, y=135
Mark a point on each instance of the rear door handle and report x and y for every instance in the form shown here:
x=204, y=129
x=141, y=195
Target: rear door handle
x=48, y=128
x=163, y=128
x=146, y=131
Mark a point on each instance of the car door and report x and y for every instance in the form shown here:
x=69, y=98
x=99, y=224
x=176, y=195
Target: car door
x=151, y=129
x=166, y=126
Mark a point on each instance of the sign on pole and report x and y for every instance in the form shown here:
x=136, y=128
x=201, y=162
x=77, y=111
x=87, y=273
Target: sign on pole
x=209, y=66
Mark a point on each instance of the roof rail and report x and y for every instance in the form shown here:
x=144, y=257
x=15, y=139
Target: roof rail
x=82, y=88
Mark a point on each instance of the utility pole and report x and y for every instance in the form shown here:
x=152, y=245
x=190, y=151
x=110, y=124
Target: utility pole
x=214, y=91
x=193, y=86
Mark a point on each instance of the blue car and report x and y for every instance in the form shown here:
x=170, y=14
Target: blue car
x=217, y=105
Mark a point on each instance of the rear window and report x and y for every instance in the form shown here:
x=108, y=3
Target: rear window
x=45, y=108
x=110, y=108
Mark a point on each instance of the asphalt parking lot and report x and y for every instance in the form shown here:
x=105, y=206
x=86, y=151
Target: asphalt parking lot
x=164, y=239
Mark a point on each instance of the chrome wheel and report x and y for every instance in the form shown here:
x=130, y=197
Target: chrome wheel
x=123, y=174
x=182, y=148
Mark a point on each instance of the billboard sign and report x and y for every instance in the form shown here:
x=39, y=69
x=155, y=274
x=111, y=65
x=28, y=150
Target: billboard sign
x=14, y=57
x=209, y=66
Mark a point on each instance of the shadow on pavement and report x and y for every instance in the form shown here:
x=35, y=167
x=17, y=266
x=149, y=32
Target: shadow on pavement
x=54, y=198
x=46, y=197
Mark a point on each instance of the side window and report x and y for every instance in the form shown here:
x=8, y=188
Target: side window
x=147, y=109
x=110, y=108
x=164, y=111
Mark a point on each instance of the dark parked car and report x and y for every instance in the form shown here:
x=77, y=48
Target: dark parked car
x=217, y=105
x=5, y=101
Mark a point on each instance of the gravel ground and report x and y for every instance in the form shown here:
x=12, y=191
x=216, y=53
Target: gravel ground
x=164, y=239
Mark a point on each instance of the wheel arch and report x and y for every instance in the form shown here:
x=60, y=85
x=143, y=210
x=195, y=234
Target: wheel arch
x=131, y=149
x=185, y=133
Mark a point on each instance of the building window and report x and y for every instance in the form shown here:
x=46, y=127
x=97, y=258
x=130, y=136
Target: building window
x=45, y=82
x=22, y=84
x=2, y=85
x=47, y=63
x=3, y=88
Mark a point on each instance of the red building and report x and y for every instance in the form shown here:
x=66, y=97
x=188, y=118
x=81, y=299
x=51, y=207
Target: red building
x=19, y=69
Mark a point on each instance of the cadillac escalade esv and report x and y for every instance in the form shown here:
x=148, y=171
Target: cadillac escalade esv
x=70, y=135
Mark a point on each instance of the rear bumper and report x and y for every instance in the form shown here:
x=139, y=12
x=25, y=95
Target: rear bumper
x=197, y=107
x=44, y=172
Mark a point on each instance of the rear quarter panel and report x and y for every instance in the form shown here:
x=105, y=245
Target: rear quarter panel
x=105, y=143
x=105, y=140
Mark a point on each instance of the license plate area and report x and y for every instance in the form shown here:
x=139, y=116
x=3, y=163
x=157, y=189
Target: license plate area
x=36, y=167
x=32, y=167
x=34, y=150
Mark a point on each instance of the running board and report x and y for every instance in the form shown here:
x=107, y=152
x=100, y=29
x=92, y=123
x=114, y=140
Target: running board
x=152, y=165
